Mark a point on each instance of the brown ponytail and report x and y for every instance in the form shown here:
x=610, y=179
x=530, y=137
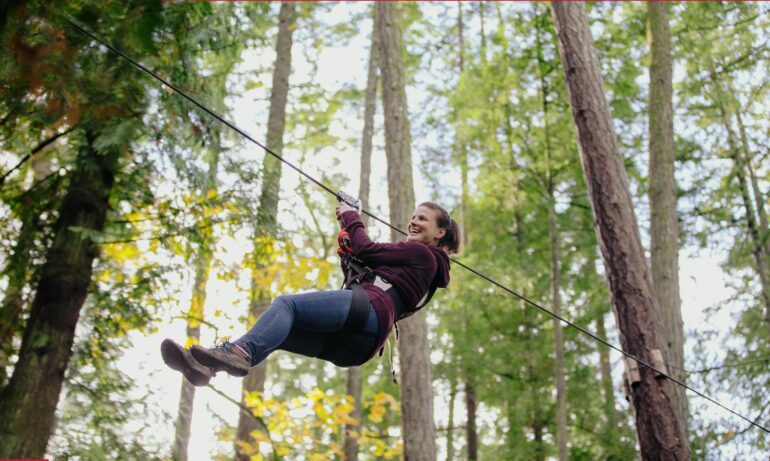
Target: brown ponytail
x=451, y=239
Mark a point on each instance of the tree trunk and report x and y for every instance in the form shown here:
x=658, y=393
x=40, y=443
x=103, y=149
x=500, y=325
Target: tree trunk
x=553, y=236
x=450, y=427
x=664, y=229
x=354, y=386
x=355, y=375
x=418, y=426
x=605, y=371
x=535, y=410
x=254, y=381
x=18, y=270
x=759, y=197
x=630, y=282
x=739, y=167
x=471, y=434
x=482, y=32
x=558, y=336
x=470, y=425
x=268, y=203
x=28, y=403
x=195, y=314
x=762, y=245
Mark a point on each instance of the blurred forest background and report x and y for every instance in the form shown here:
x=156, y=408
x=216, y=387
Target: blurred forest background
x=128, y=215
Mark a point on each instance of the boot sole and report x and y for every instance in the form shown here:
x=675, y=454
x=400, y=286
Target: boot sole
x=174, y=356
x=202, y=357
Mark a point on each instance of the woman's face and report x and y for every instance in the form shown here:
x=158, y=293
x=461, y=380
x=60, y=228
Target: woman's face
x=423, y=227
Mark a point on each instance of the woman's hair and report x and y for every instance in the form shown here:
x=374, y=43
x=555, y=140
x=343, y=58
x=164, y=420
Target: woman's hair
x=451, y=239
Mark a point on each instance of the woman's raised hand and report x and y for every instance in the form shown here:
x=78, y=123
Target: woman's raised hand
x=341, y=208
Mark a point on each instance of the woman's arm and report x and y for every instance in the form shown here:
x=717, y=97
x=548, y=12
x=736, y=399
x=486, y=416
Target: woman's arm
x=380, y=254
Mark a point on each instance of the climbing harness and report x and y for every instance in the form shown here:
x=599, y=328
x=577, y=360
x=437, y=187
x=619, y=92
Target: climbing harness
x=356, y=272
x=323, y=186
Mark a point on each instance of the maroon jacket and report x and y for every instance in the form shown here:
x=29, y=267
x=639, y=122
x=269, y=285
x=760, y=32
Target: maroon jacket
x=412, y=267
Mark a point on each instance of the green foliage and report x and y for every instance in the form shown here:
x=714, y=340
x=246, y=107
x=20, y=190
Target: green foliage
x=188, y=187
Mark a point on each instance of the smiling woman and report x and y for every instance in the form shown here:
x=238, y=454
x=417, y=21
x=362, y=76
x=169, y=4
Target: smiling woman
x=346, y=327
x=431, y=224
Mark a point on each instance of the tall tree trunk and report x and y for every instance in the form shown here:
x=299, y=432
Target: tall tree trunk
x=18, y=269
x=352, y=431
x=762, y=245
x=450, y=427
x=355, y=375
x=605, y=371
x=28, y=403
x=553, y=236
x=630, y=282
x=470, y=425
x=419, y=430
x=195, y=314
x=255, y=380
x=558, y=335
x=759, y=197
x=471, y=434
x=268, y=203
x=664, y=229
x=739, y=168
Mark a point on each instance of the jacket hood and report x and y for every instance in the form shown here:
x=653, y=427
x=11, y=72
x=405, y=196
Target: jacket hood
x=441, y=279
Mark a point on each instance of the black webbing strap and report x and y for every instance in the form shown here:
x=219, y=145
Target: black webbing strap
x=357, y=317
x=359, y=309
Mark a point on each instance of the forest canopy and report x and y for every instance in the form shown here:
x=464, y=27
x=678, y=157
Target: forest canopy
x=606, y=160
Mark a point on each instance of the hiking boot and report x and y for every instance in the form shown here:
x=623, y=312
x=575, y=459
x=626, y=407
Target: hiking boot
x=178, y=358
x=224, y=357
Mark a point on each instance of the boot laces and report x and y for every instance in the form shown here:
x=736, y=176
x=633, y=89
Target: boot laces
x=224, y=345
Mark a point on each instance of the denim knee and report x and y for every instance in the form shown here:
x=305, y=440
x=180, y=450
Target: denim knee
x=283, y=302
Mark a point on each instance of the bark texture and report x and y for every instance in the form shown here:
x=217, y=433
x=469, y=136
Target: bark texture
x=664, y=228
x=28, y=403
x=416, y=374
x=630, y=282
x=268, y=204
x=355, y=374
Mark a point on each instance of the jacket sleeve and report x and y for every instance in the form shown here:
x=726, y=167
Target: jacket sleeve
x=380, y=254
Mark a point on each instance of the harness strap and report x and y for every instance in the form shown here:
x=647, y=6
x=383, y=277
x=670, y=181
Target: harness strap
x=356, y=319
x=359, y=309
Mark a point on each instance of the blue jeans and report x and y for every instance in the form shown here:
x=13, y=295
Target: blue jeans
x=301, y=324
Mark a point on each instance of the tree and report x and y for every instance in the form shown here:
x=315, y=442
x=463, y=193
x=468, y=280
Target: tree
x=195, y=315
x=634, y=303
x=19, y=268
x=49, y=334
x=554, y=244
x=104, y=129
x=266, y=225
x=664, y=228
x=355, y=376
x=416, y=376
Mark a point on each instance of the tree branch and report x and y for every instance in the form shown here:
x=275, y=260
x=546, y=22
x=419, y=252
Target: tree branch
x=34, y=151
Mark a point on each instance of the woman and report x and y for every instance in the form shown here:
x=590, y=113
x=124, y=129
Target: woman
x=321, y=324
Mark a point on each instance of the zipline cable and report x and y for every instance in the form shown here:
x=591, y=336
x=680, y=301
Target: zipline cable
x=454, y=260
